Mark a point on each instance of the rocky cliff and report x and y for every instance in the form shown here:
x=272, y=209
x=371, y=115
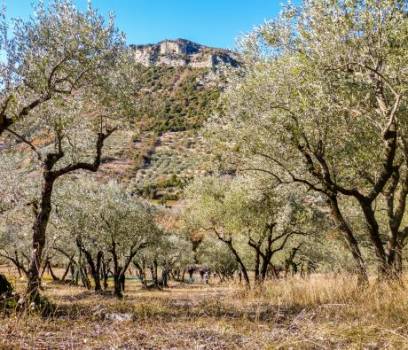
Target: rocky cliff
x=184, y=53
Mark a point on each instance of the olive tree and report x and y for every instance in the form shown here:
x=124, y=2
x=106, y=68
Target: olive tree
x=129, y=226
x=254, y=222
x=321, y=103
x=171, y=253
x=63, y=74
x=75, y=201
x=107, y=221
x=219, y=260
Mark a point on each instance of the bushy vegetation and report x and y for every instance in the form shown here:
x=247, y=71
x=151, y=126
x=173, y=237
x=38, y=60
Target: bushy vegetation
x=174, y=98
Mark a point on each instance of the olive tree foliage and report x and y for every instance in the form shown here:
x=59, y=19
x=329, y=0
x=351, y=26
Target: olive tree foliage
x=170, y=254
x=15, y=242
x=321, y=104
x=16, y=213
x=58, y=51
x=253, y=221
x=107, y=224
x=212, y=253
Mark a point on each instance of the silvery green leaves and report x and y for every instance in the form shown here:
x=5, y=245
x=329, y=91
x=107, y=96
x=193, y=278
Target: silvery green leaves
x=321, y=108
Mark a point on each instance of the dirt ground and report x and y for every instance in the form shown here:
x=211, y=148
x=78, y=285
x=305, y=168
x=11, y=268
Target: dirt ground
x=199, y=316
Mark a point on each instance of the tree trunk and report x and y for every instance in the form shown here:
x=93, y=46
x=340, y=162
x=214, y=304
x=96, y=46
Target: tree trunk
x=256, y=267
x=84, y=278
x=141, y=273
x=397, y=263
x=64, y=276
x=265, y=263
x=105, y=273
x=53, y=275
x=350, y=239
x=74, y=273
x=97, y=281
x=165, y=277
x=105, y=280
x=95, y=268
x=39, y=231
x=119, y=283
x=153, y=271
x=373, y=230
x=117, y=286
x=241, y=264
x=395, y=251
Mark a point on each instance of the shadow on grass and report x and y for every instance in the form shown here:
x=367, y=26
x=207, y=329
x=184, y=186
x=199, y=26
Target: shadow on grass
x=167, y=309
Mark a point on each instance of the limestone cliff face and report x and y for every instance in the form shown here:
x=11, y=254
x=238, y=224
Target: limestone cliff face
x=184, y=53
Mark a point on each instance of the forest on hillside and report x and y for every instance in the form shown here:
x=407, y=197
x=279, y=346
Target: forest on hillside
x=261, y=207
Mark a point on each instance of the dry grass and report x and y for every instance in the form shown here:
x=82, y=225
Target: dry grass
x=322, y=312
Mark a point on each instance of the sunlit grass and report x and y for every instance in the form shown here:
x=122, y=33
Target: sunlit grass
x=322, y=311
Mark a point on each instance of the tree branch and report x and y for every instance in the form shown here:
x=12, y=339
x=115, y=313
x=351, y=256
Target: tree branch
x=27, y=142
x=87, y=166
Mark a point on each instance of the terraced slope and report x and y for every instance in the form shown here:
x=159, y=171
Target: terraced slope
x=176, y=158
x=155, y=167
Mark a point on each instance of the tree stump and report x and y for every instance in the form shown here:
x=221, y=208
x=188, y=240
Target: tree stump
x=6, y=289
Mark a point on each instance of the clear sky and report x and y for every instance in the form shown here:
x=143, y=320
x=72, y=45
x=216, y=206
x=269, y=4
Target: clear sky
x=210, y=22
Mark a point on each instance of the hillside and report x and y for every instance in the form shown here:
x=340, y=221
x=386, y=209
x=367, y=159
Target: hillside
x=175, y=98
x=180, y=84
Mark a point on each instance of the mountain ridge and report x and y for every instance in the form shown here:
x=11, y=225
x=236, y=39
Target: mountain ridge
x=184, y=53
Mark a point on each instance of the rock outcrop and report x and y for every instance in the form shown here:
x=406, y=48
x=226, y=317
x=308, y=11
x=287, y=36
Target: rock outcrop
x=184, y=53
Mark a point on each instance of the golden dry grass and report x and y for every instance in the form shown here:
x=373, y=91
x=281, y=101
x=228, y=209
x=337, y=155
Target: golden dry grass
x=322, y=312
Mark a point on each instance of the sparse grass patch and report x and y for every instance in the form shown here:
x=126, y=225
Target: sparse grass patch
x=321, y=312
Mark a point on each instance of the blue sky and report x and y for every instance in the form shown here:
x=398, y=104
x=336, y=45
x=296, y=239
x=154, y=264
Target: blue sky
x=211, y=22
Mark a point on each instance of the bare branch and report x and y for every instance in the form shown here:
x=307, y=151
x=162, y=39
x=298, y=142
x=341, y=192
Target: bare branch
x=27, y=142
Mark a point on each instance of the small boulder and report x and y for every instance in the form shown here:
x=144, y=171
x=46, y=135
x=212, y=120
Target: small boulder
x=119, y=317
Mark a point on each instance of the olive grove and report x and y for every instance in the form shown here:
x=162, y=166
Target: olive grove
x=305, y=166
x=255, y=223
x=107, y=225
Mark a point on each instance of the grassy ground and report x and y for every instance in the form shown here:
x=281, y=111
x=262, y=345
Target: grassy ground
x=323, y=312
